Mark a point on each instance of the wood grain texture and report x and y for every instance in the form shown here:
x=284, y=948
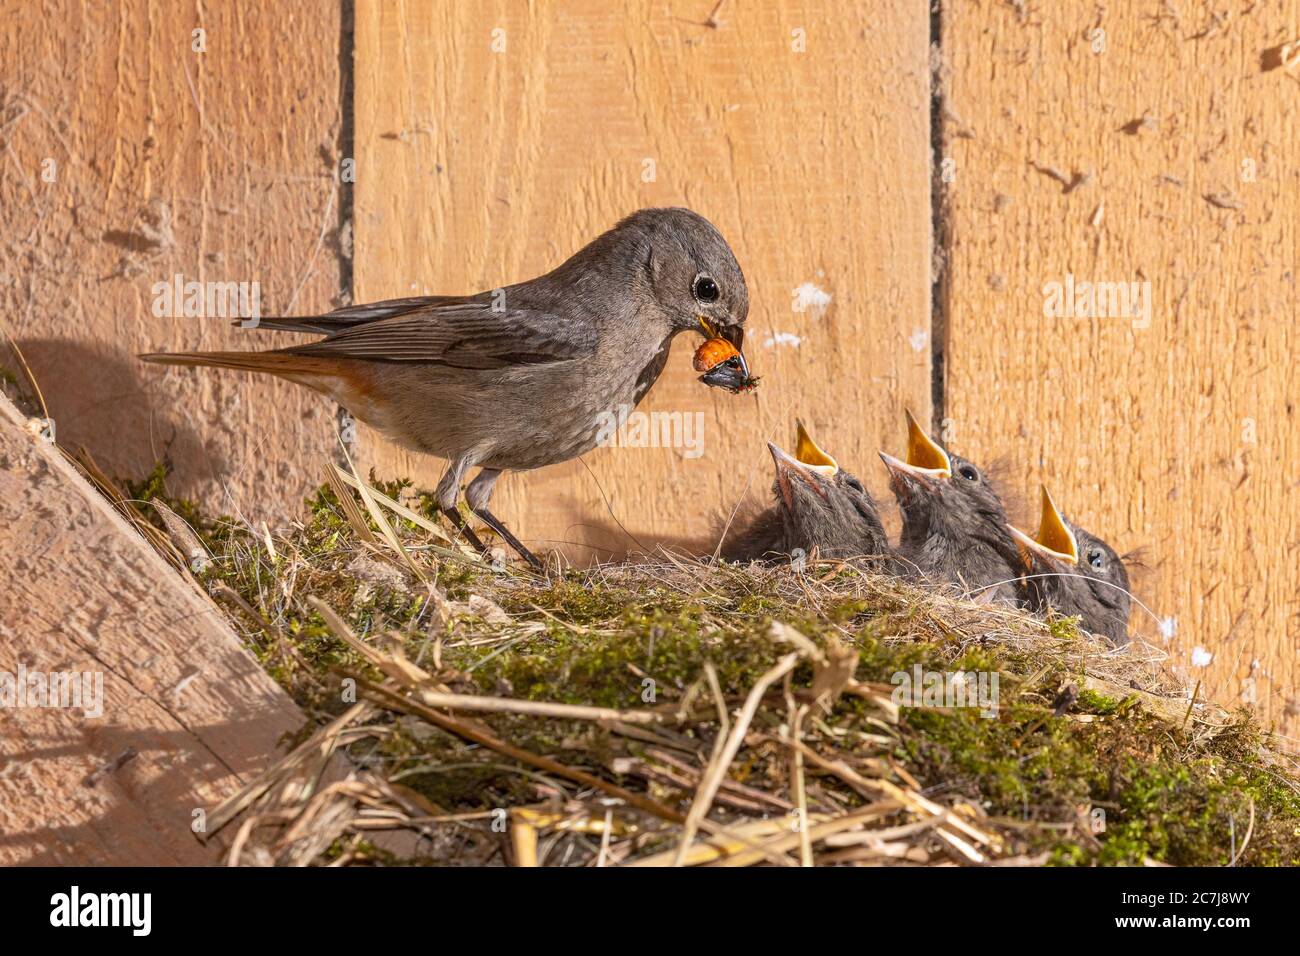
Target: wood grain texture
x=479, y=168
x=187, y=715
x=217, y=165
x=1180, y=438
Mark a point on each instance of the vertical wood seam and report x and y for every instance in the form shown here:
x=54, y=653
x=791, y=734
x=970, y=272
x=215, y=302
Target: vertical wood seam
x=939, y=228
x=346, y=145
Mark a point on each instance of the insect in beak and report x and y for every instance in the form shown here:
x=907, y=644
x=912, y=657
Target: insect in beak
x=723, y=365
x=735, y=334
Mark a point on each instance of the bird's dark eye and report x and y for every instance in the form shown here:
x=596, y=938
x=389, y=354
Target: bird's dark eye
x=854, y=484
x=706, y=290
x=969, y=473
x=1096, y=559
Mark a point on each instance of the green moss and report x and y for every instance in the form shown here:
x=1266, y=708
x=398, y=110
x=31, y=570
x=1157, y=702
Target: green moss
x=1091, y=702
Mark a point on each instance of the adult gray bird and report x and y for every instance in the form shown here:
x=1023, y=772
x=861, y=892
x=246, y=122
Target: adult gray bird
x=954, y=524
x=1076, y=573
x=820, y=508
x=522, y=376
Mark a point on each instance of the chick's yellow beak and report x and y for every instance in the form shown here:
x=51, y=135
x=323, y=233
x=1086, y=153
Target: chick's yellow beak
x=925, y=459
x=1054, y=538
x=922, y=453
x=807, y=452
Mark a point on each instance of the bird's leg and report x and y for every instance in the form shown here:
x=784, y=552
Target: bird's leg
x=495, y=524
x=463, y=527
x=478, y=494
x=448, y=494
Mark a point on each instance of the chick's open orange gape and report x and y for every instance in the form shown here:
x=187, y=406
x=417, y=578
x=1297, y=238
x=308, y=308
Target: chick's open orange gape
x=1054, y=538
x=723, y=366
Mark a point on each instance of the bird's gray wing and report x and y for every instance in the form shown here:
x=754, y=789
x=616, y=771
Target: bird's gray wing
x=354, y=315
x=469, y=335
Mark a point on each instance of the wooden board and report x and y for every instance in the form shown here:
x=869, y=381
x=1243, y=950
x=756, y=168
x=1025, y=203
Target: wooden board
x=479, y=167
x=216, y=165
x=1179, y=436
x=187, y=714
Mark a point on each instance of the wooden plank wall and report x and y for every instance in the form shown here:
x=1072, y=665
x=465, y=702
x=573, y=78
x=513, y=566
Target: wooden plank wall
x=185, y=714
x=129, y=157
x=1130, y=142
x=494, y=139
x=1149, y=143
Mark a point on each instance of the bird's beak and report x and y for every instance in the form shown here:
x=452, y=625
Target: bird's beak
x=735, y=334
x=922, y=453
x=807, y=453
x=789, y=467
x=1054, y=540
x=925, y=460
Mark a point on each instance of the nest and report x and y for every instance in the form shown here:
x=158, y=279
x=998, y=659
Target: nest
x=676, y=711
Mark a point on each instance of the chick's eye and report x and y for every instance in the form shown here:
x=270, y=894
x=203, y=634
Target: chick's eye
x=854, y=484
x=1095, y=559
x=706, y=290
x=969, y=473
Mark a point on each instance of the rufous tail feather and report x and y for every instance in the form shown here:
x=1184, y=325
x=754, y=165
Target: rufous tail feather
x=275, y=363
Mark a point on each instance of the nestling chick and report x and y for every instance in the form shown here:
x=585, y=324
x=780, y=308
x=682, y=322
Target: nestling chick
x=1076, y=573
x=954, y=524
x=820, y=508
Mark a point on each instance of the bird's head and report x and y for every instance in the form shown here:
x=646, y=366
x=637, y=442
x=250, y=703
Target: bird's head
x=1076, y=572
x=941, y=491
x=692, y=273
x=823, y=506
